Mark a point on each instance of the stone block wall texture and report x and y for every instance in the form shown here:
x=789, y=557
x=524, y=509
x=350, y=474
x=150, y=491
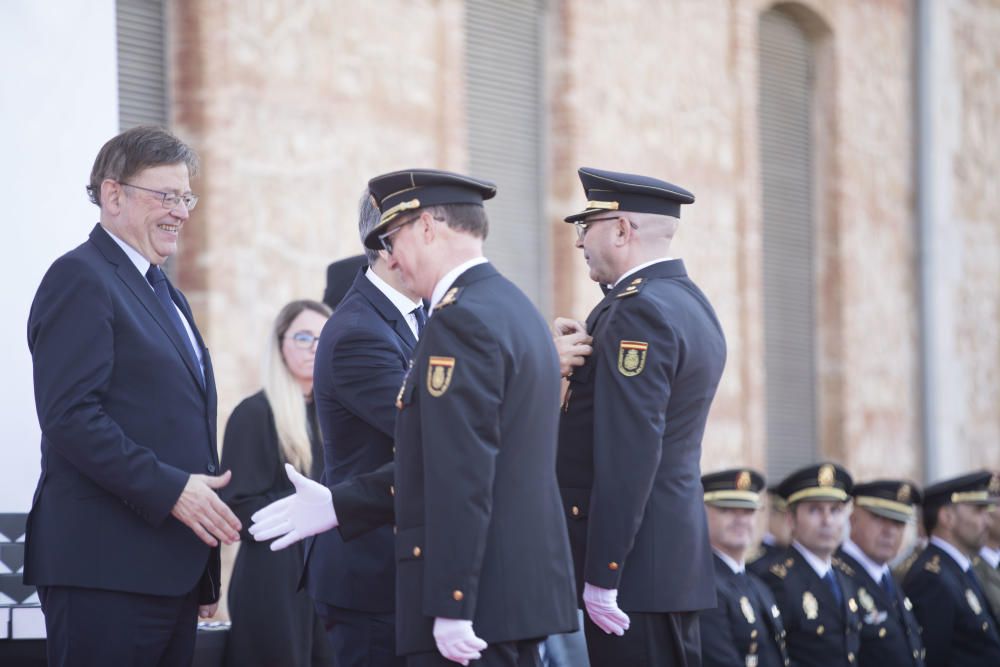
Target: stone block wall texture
x=294, y=104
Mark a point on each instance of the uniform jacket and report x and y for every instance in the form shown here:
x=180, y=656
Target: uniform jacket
x=958, y=628
x=821, y=633
x=630, y=443
x=745, y=629
x=890, y=634
x=480, y=528
x=363, y=353
x=989, y=578
x=125, y=420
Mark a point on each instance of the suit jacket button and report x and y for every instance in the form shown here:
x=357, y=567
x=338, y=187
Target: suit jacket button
x=575, y=511
x=210, y=468
x=612, y=565
x=392, y=490
x=850, y=657
x=457, y=595
x=881, y=632
x=820, y=630
x=416, y=552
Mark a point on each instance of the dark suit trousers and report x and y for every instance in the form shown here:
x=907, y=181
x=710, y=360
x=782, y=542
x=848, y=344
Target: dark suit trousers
x=360, y=638
x=91, y=627
x=652, y=640
x=504, y=654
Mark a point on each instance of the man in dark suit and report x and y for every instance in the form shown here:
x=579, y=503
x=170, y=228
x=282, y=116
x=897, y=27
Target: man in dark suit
x=890, y=636
x=959, y=629
x=631, y=428
x=482, y=558
x=986, y=564
x=745, y=629
x=123, y=532
x=818, y=602
x=363, y=353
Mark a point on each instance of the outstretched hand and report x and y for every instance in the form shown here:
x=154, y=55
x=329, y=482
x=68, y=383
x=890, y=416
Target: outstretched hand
x=306, y=512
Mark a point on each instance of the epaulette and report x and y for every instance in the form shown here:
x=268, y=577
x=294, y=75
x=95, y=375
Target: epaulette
x=632, y=289
x=450, y=297
x=900, y=570
x=933, y=565
x=843, y=567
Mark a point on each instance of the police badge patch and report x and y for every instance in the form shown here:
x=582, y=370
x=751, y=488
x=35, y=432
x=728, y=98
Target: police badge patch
x=631, y=357
x=810, y=605
x=439, y=371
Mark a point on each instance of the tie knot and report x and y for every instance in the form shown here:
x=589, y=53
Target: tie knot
x=155, y=275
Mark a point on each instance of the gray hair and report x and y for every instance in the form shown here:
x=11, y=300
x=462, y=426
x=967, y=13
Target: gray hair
x=368, y=218
x=138, y=148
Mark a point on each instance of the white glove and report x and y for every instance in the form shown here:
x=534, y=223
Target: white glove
x=456, y=640
x=306, y=512
x=602, y=607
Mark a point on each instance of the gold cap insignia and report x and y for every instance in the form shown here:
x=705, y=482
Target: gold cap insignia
x=810, y=606
x=994, y=487
x=747, y=610
x=631, y=357
x=827, y=476
x=439, y=372
x=977, y=609
x=743, y=480
x=903, y=495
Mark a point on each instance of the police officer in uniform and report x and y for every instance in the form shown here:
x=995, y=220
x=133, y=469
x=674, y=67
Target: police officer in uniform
x=818, y=602
x=890, y=636
x=778, y=536
x=632, y=424
x=745, y=629
x=959, y=629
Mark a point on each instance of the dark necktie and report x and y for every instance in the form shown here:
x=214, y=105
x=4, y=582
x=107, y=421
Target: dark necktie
x=158, y=280
x=831, y=581
x=421, y=317
x=888, y=586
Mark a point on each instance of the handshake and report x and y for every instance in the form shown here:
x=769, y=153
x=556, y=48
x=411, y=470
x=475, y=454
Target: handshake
x=309, y=511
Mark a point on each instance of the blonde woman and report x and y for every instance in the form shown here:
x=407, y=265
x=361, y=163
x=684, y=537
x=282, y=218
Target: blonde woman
x=273, y=622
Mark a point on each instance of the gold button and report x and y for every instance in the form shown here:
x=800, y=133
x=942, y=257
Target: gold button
x=753, y=647
x=850, y=657
x=395, y=529
x=820, y=630
x=393, y=450
x=881, y=632
x=916, y=654
x=457, y=595
x=753, y=634
x=416, y=552
x=392, y=490
x=986, y=626
x=575, y=511
x=852, y=605
x=612, y=565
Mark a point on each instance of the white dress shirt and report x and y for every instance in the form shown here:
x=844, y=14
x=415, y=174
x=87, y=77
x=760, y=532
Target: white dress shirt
x=815, y=562
x=640, y=267
x=991, y=556
x=737, y=567
x=874, y=570
x=450, y=277
x=960, y=558
x=398, y=299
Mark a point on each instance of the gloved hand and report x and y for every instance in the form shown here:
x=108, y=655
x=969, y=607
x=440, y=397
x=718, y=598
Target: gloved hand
x=456, y=640
x=602, y=607
x=306, y=512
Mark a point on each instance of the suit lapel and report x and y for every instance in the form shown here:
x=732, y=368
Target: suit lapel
x=142, y=290
x=389, y=312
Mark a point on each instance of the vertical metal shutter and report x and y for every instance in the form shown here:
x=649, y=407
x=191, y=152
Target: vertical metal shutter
x=142, y=71
x=786, y=72
x=503, y=78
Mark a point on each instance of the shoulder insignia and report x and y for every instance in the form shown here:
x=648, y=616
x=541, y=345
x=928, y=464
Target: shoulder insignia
x=778, y=570
x=867, y=601
x=631, y=357
x=439, y=372
x=933, y=565
x=843, y=567
x=747, y=610
x=450, y=297
x=901, y=570
x=633, y=288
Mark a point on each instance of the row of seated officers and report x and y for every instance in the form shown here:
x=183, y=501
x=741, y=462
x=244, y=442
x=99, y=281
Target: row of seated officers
x=827, y=600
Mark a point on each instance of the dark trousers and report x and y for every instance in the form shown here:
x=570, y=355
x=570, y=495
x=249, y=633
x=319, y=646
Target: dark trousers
x=503, y=654
x=359, y=638
x=88, y=626
x=652, y=640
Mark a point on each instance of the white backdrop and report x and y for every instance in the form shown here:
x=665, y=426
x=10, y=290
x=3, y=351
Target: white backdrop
x=58, y=105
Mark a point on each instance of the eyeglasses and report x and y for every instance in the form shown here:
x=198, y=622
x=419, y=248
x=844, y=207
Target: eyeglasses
x=303, y=340
x=170, y=200
x=582, y=227
x=385, y=239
